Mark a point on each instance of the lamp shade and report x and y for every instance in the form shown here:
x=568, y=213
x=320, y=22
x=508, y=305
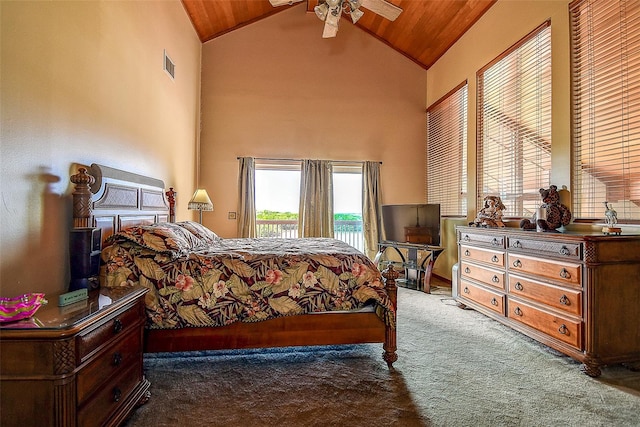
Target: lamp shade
x=201, y=201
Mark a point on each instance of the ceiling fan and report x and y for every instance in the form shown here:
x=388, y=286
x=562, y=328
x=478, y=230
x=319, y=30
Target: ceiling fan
x=329, y=11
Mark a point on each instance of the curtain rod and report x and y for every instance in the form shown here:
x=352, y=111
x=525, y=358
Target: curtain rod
x=299, y=160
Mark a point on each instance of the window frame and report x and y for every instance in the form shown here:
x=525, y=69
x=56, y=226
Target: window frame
x=446, y=122
x=529, y=130
x=605, y=107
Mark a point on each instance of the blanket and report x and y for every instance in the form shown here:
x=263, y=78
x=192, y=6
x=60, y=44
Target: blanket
x=196, y=278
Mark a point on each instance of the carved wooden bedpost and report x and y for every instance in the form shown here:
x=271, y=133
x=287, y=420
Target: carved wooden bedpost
x=390, y=345
x=82, y=198
x=171, y=197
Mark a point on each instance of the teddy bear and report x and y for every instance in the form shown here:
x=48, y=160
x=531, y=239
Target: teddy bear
x=558, y=215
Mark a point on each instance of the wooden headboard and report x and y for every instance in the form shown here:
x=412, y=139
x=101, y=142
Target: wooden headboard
x=112, y=199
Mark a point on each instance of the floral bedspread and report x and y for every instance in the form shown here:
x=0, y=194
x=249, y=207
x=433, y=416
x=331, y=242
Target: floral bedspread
x=197, y=279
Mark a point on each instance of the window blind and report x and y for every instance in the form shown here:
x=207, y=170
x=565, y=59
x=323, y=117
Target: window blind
x=605, y=58
x=447, y=152
x=514, y=124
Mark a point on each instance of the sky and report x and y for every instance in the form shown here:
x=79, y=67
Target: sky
x=280, y=191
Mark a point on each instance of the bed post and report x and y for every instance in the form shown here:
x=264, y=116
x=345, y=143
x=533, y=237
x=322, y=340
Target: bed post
x=82, y=198
x=390, y=346
x=171, y=198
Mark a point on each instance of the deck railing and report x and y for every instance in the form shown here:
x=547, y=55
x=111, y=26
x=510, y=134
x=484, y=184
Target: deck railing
x=347, y=231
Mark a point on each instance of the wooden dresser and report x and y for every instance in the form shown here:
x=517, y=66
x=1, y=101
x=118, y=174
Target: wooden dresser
x=577, y=293
x=78, y=365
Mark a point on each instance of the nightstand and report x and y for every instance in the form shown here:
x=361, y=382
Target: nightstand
x=78, y=365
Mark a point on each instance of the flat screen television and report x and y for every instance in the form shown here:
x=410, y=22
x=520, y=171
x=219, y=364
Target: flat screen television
x=412, y=223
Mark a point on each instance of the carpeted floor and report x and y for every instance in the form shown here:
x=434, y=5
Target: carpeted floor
x=455, y=368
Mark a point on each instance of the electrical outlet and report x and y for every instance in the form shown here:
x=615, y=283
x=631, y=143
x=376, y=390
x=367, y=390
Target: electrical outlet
x=232, y=215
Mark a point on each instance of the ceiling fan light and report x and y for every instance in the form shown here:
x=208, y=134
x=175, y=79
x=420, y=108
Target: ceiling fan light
x=321, y=11
x=334, y=3
x=356, y=14
x=354, y=4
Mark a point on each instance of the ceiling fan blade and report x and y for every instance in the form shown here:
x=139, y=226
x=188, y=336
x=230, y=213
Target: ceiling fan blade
x=382, y=8
x=331, y=22
x=329, y=30
x=275, y=3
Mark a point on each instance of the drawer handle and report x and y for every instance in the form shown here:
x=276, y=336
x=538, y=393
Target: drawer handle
x=517, y=311
x=495, y=242
x=495, y=258
x=564, y=251
x=565, y=274
x=495, y=279
x=518, y=286
x=517, y=244
x=563, y=330
x=564, y=300
x=467, y=270
x=517, y=263
x=117, y=394
x=465, y=290
x=117, y=326
x=117, y=358
x=494, y=301
x=467, y=253
x=466, y=238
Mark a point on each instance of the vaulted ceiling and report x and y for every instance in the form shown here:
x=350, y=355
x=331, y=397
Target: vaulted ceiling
x=423, y=32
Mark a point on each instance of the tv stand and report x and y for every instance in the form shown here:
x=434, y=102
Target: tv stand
x=412, y=264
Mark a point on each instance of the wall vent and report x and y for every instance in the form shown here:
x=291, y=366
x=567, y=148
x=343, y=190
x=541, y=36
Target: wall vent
x=169, y=66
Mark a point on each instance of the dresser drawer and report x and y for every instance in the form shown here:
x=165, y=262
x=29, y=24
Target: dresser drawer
x=485, y=297
x=489, y=240
x=483, y=274
x=111, y=328
x=559, y=327
x=563, y=272
x=105, y=402
x=565, y=299
x=109, y=364
x=495, y=258
x=547, y=248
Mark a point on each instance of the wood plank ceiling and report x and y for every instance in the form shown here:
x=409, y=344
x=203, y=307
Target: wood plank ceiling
x=423, y=32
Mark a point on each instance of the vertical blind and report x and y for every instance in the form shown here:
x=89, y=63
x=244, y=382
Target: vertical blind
x=447, y=152
x=605, y=58
x=514, y=124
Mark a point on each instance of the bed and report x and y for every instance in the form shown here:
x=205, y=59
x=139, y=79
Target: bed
x=210, y=293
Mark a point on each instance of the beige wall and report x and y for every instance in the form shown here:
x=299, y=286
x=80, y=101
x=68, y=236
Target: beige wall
x=277, y=89
x=82, y=82
x=498, y=29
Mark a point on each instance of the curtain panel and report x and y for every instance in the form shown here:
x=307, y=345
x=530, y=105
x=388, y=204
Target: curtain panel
x=247, y=197
x=316, y=199
x=371, y=207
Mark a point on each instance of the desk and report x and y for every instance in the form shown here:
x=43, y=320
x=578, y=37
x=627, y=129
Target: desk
x=411, y=263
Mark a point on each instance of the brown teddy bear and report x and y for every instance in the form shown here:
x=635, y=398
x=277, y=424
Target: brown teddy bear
x=558, y=215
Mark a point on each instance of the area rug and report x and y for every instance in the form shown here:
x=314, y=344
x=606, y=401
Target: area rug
x=455, y=368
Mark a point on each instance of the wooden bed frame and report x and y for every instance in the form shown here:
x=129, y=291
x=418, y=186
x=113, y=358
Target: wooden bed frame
x=113, y=199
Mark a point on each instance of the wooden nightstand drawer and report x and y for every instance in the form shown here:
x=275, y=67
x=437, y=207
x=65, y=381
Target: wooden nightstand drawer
x=489, y=299
x=565, y=299
x=495, y=258
x=110, y=396
x=483, y=274
x=494, y=241
x=562, y=328
x=111, y=328
x=125, y=353
x=560, y=271
x=557, y=249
